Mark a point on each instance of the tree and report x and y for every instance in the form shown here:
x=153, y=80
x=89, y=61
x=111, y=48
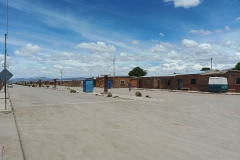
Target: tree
x=137, y=72
x=205, y=69
x=237, y=66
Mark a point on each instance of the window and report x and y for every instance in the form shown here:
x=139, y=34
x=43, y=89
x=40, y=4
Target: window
x=122, y=82
x=237, y=80
x=147, y=82
x=100, y=82
x=168, y=82
x=193, y=81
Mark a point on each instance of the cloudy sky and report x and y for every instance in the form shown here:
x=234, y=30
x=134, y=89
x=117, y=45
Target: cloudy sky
x=82, y=37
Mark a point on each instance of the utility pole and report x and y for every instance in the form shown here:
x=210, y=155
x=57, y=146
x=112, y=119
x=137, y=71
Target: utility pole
x=5, y=66
x=114, y=72
x=61, y=78
x=211, y=63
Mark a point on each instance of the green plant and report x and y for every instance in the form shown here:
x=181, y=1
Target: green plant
x=138, y=94
x=109, y=95
x=147, y=96
x=73, y=91
x=115, y=96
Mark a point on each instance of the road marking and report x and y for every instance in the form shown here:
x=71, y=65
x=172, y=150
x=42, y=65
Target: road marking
x=57, y=104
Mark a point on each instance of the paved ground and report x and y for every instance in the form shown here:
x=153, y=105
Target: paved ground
x=59, y=125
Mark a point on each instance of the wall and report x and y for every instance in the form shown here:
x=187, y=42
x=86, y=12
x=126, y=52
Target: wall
x=117, y=84
x=232, y=86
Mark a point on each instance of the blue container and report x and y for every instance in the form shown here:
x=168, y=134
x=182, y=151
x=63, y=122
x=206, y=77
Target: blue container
x=218, y=87
x=217, y=84
x=88, y=86
x=109, y=84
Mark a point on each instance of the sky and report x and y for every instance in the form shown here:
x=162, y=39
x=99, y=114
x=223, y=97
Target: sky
x=82, y=38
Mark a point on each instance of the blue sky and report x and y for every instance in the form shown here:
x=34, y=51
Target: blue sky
x=81, y=37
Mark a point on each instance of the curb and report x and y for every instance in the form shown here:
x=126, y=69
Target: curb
x=1, y=152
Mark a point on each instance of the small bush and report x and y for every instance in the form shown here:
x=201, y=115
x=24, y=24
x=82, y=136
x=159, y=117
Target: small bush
x=115, y=96
x=138, y=94
x=147, y=96
x=33, y=85
x=109, y=95
x=73, y=91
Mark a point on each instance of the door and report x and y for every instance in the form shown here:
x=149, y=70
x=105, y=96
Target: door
x=140, y=83
x=179, y=84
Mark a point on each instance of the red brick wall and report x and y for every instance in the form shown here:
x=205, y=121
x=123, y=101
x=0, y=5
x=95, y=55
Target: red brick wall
x=232, y=86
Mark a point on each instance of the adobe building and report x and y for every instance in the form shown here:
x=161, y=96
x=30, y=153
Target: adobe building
x=117, y=81
x=194, y=82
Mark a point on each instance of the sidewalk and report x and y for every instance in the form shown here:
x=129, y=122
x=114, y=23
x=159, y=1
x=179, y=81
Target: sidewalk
x=4, y=109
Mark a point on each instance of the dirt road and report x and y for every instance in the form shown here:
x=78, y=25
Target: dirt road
x=59, y=125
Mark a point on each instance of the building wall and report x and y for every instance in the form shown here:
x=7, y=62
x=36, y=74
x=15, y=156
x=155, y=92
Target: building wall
x=232, y=76
x=126, y=79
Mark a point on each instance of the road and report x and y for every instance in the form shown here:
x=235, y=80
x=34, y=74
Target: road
x=59, y=125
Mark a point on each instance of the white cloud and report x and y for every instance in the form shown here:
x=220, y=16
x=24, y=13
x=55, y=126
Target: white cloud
x=162, y=47
x=158, y=48
x=227, y=44
x=154, y=40
x=28, y=50
x=62, y=56
x=189, y=43
x=135, y=42
x=204, y=48
x=173, y=55
x=238, y=49
x=99, y=46
x=237, y=53
x=218, y=31
x=200, y=32
x=185, y=3
x=161, y=34
x=238, y=19
x=227, y=28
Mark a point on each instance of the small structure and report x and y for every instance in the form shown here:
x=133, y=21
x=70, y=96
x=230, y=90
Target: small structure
x=120, y=81
x=218, y=84
x=88, y=86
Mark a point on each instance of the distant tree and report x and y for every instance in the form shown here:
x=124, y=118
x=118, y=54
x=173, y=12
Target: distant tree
x=205, y=69
x=237, y=66
x=137, y=72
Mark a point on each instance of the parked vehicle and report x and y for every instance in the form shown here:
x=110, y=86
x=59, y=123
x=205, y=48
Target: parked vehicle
x=10, y=86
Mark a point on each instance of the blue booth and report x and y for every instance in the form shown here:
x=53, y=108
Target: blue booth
x=109, y=84
x=88, y=85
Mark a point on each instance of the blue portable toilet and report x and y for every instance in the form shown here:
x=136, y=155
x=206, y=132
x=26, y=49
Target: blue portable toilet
x=109, y=84
x=217, y=84
x=88, y=85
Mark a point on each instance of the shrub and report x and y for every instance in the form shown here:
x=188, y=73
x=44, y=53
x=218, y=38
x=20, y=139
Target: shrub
x=73, y=91
x=147, y=96
x=109, y=95
x=138, y=94
x=115, y=96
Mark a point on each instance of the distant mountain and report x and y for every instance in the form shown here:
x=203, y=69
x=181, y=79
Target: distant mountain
x=42, y=78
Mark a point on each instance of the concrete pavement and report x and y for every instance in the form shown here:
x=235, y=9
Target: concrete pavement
x=4, y=110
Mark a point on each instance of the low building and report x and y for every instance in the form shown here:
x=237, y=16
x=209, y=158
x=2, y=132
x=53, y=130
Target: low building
x=117, y=81
x=195, y=82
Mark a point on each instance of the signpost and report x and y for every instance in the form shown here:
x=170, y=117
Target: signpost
x=5, y=75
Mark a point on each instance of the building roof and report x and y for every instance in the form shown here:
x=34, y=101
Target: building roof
x=214, y=72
